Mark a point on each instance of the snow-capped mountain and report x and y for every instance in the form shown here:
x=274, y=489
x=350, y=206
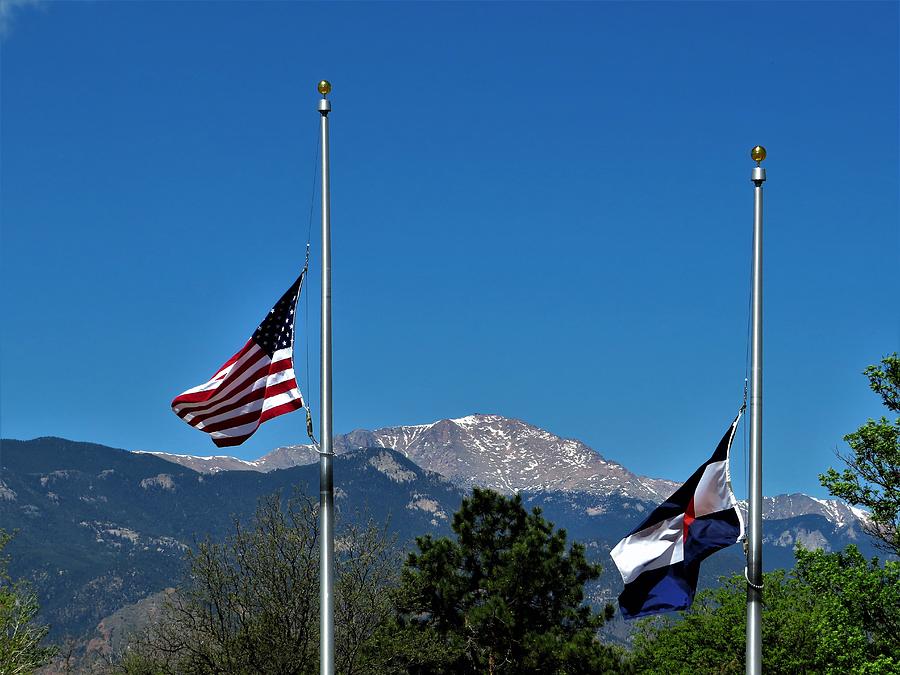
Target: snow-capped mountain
x=505, y=454
x=799, y=504
x=210, y=464
x=509, y=455
x=280, y=458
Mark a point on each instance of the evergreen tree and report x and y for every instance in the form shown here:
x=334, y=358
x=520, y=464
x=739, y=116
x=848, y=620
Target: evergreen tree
x=506, y=596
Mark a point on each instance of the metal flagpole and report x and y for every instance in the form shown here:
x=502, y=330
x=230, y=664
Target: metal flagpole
x=326, y=454
x=754, y=550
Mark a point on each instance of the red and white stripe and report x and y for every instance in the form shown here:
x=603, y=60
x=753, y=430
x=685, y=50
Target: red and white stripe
x=248, y=390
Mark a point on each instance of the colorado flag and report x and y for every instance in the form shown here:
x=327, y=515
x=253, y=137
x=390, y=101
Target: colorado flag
x=660, y=559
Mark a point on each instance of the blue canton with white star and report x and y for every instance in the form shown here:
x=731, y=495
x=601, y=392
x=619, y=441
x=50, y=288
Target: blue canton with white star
x=277, y=329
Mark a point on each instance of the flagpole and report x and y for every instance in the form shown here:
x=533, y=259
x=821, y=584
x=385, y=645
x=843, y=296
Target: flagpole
x=754, y=549
x=326, y=454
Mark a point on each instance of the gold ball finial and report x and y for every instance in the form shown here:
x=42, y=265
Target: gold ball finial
x=758, y=154
x=324, y=88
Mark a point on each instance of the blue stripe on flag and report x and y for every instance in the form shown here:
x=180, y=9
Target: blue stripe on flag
x=672, y=588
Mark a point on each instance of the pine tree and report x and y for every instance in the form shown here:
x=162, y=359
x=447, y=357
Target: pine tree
x=505, y=596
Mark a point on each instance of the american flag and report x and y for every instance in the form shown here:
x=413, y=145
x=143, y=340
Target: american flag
x=254, y=385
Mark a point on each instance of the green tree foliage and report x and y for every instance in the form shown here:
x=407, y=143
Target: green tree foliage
x=709, y=638
x=252, y=602
x=20, y=632
x=856, y=617
x=872, y=476
x=836, y=613
x=506, y=596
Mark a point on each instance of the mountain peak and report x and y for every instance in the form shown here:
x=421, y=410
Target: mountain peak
x=479, y=418
x=508, y=455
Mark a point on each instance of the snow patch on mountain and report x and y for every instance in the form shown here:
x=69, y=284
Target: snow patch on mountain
x=208, y=463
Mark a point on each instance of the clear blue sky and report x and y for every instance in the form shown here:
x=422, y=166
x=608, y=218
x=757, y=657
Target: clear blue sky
x=539, y=210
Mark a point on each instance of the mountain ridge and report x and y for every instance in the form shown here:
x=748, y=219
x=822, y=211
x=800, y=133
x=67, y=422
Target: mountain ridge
x=508, y=455
x=98, y=528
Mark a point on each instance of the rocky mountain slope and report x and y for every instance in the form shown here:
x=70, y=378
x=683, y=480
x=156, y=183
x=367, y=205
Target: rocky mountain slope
x=98, y=528
x=508, y=455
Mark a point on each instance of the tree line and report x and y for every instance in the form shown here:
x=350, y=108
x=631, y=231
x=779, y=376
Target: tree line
x=504, y=595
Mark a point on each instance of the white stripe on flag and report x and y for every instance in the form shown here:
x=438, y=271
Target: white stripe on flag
x=229, y=396
x=254, y=354
x=281, y=354
x=259, y=404
x=281, y=399
x=216, y=379
x=243, y=410
x=213, y=383
x=660, y=545
x=713, y=492
x=235, y=431
x=231, y=393
x=278, y=378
